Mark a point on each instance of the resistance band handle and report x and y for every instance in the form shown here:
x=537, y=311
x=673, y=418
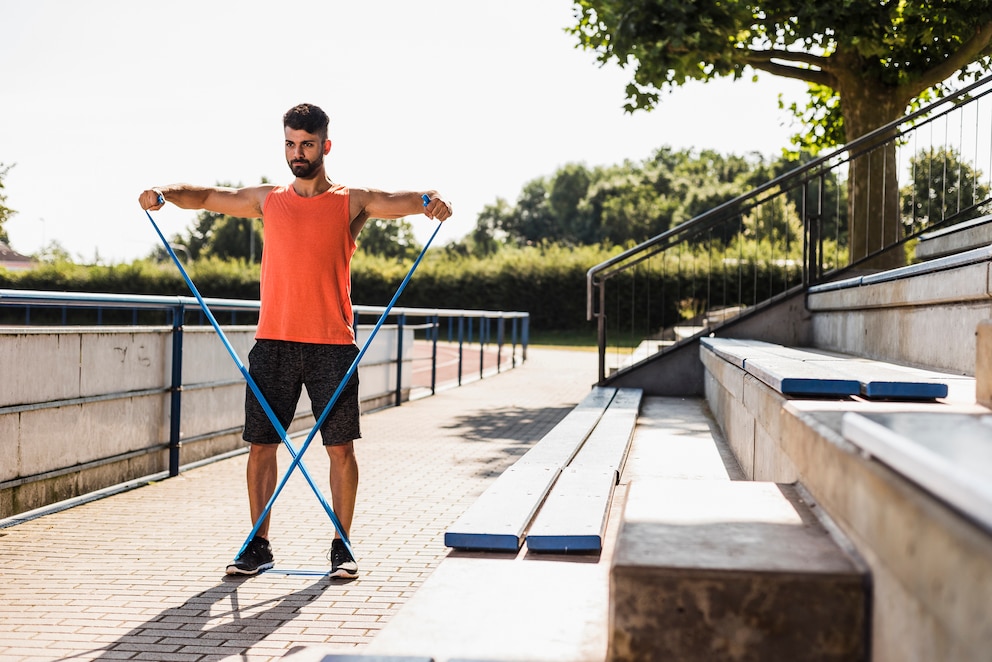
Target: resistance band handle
x=423, y=197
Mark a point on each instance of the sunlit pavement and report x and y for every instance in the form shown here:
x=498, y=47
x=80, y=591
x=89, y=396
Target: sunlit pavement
x=140, y=575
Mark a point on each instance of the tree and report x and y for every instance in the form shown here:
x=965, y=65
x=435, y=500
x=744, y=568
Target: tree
x=6, y=213
x=866, y=62
x=942, y=186
x=389, y=238
x=491, y=228
x=619, y=204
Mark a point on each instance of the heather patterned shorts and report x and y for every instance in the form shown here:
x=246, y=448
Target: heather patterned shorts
x=281, y=368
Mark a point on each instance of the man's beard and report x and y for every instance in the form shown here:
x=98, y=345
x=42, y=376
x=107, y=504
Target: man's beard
x=305, y=169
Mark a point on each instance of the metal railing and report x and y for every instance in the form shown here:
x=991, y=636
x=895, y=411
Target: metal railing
x=498, y=334
x=858, y=207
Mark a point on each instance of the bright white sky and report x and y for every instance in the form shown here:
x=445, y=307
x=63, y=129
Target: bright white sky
x=105, y=98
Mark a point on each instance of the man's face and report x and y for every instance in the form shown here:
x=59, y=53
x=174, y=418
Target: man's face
x=305, y=152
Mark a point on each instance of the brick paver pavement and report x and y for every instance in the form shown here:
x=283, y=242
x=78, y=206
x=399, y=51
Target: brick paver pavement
x=140, y=575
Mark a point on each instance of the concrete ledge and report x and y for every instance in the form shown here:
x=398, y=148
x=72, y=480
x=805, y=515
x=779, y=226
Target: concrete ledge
x=954, y=239
x=919, y=287
x=503, y=609
x=931, y=567
x=737, y=570
x=949, y=455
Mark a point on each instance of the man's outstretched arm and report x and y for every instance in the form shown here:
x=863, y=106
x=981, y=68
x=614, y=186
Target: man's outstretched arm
x=239, y=202
x=382, y=204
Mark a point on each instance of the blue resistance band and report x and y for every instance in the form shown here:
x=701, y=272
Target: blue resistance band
x=297, y=455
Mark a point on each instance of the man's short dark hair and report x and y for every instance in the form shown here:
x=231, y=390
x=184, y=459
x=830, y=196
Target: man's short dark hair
x=307, y=117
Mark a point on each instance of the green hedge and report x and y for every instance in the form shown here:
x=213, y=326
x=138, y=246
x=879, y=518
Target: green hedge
x=548, y=282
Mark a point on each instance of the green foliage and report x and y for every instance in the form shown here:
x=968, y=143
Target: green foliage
x=865, y=60
x=941, y=185
x=616, y=205
x=389, y=238
x=548, y=280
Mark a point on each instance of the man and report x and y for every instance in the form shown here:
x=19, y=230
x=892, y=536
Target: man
x=305, y=334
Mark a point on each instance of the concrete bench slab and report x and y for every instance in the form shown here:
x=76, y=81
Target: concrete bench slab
x=783, y=368
x=608, y=444
x=573, y=517
x=740, y=570
x=594, y=436
x=891, y=382
x=557, y=448
x=809, y=372
x=498, y=518
x=795, y=377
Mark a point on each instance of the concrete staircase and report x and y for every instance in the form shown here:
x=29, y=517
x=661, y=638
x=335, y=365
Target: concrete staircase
x=756, y=523
x=906, y=482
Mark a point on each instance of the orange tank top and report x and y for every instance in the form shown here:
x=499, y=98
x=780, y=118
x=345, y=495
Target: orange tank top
x=306, y=268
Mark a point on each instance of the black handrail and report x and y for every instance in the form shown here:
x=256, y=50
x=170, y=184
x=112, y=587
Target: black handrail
x=729, y=217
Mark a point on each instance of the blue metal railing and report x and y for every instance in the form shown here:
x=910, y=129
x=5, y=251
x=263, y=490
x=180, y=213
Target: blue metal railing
x=180, y=311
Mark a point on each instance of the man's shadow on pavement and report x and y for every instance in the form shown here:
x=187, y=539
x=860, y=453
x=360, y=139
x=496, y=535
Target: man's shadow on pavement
x=204, y=625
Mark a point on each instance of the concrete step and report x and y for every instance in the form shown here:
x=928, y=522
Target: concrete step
x=706, y=570
x=540, y=606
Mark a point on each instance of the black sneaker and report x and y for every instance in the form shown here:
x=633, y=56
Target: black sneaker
x=256, y=558
x=342, y=562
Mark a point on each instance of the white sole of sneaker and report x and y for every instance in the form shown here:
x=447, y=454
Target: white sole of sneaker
x=341, y=573
x=235, y=570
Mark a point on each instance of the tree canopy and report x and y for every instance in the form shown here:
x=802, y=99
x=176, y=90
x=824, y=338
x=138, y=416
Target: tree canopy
x=865, y=60
x=866, y=63
x=619, y=204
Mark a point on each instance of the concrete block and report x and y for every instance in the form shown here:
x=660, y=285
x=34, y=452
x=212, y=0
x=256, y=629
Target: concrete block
x=38, y=366
x=103, y=429
x=210, y=409
x=939, y=337
x=49, y=439
x=739, y=429
x=931, y=567
x=733, y=570
x=113, y=361
x=205, y=359
x=10, y=465
x=730, y=376
x=770, y=462
x=983, y=364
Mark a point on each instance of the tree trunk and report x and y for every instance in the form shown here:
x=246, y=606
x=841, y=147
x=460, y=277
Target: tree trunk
x=873, y=178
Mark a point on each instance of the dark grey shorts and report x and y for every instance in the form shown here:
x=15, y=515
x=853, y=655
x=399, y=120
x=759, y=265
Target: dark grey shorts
x=281, y=368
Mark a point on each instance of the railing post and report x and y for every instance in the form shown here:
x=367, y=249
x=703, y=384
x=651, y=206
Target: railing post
x=175, y=415
x=399, y=358
x=525, y=338
x=461, y=341
x=483, y=333
x=500, y=329
x=437, y=331
x=601, y=331
x=513, y=342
